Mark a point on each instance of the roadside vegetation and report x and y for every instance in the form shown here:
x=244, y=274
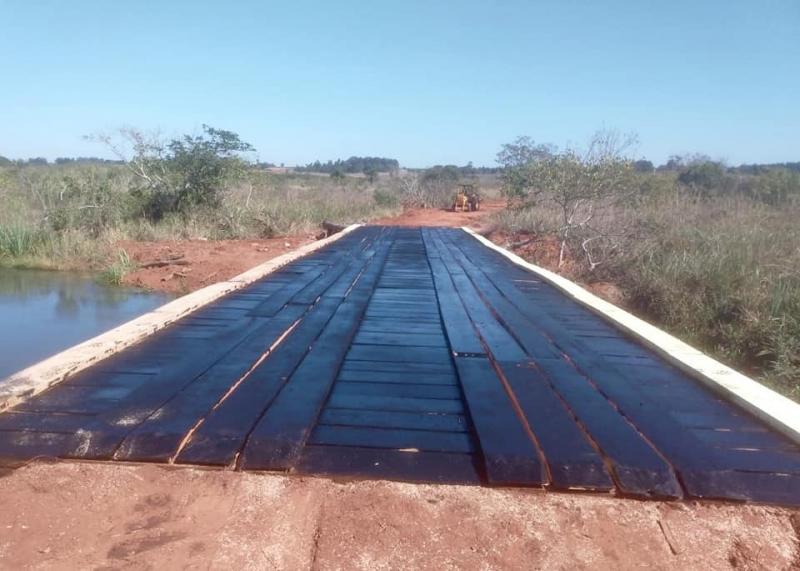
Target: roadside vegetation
x=71, y=214
x=711, y=253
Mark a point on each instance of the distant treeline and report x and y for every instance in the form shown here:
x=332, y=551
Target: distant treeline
x=368, y=165
x=352, y=165
x=680, y=163
x=41, y=161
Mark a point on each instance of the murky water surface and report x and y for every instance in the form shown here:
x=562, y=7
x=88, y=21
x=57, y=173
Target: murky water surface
x=43, y=312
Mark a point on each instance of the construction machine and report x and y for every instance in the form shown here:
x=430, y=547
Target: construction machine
x=467, y=198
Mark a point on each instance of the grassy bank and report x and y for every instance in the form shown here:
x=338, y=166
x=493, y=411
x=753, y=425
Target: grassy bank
x=719, y=271
x=70, y=217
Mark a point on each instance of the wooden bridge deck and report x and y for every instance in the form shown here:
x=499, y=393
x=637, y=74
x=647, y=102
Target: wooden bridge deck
x=413, y=354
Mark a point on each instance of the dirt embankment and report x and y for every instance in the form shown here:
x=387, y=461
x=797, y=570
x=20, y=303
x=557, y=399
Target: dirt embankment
x=113, y=516
x=182, y=266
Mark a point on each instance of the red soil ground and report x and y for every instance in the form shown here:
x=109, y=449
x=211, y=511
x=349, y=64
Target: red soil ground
x=71, y=515
x=187, y=265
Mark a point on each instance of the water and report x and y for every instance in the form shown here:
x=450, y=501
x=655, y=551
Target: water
x=42, y=313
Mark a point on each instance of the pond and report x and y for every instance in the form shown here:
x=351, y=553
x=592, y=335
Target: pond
x=42, y=313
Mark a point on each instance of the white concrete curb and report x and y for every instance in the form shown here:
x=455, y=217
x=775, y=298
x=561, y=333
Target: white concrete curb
x=53, y=370
x=776, y=410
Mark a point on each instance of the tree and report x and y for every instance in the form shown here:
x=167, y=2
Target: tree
x=198, y=165
x=182, y=173
x=643, y=166
x=5, y=162
x=516, y=159
x=580, y=187
x=705, y=176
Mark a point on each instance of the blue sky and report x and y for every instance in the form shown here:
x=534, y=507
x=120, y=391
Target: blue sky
x=425, y=82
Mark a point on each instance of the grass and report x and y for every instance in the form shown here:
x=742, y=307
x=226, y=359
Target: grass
x=722, y=274
x=116, y=272
x=71, y=217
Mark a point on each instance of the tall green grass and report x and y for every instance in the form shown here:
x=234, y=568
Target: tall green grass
x=72, y=216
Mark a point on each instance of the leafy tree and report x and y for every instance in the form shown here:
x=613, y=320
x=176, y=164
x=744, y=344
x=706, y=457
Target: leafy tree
x=579, y=187
x=517, y=158
x=643, y=166
x=353, y=165
x=705, y=176
x=5, y=162
x=199, y=165
x=183, y=173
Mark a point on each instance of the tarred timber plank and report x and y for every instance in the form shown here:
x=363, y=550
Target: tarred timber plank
x=509, y=453
x=399, y=377
x=437, y=467
x=637, y=466
x=573, y=461
x=407, y=390
x=276, y=441
x=367, y=402
x=650, y=410
x=158, y=437
x=434, y=355
x=392, y=438
x=222, y=434
x=395, y=419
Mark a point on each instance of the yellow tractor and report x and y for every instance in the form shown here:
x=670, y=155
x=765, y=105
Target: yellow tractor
x=467, y=198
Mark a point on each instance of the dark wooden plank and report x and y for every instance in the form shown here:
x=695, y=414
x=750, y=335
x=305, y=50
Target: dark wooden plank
x=435, y=355
x=221, y=436
x=399, y=339
x=769, y=487
x=392, y=438
x=638, y=467
x=409, y=404
x=397, y=327
x=638, y=402
x=460, y=334
x=509, y=453
x=417, y=378
x=274, y=303
x=158, y=437
x=408, y=390
x=394, y=419
x=394, y=366
x=19, y=446
x=574, y=463
x=276, y=441
x=436, y=467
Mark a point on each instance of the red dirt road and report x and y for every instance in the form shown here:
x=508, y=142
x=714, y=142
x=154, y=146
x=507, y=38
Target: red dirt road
x=103, y=516
x=188, y=265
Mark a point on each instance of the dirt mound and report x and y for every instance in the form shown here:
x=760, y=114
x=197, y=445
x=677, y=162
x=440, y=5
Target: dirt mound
x=182, y=266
